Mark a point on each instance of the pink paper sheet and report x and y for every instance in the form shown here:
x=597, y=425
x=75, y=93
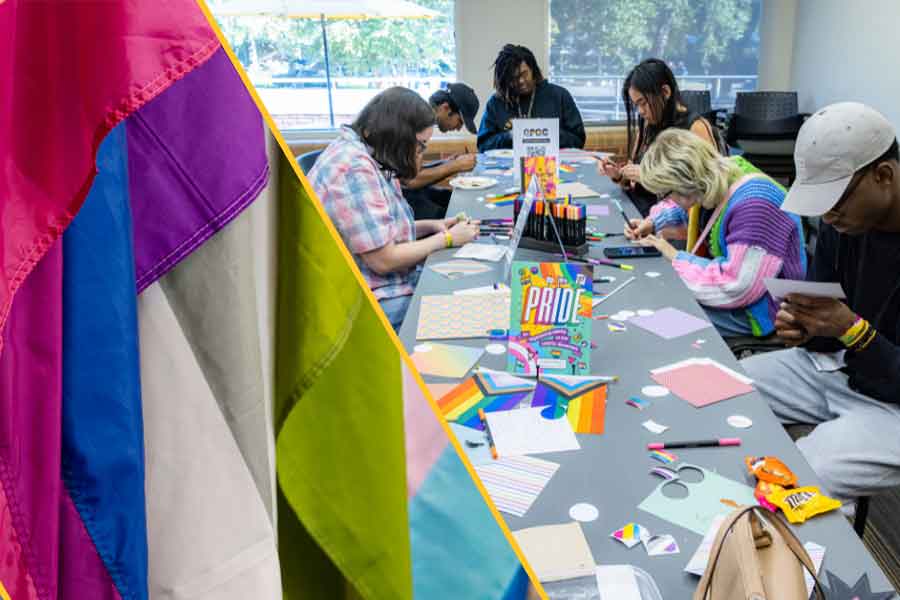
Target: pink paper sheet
x=702, y=384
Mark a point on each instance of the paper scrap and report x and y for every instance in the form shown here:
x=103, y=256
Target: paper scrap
x=739, y=421
x=514, y=482
x=616, y=328
x=584, y=512
x=817, y=554
x=556, y=552
x=669, y=323
x=526, y=431
x=664, y=472
x=630, y=534
x=654, y=427
x=495, y=349
x=489, y=252
x=661, y=545
x=664, y=456
x=697, y=564
x=780, y=288
x=655, y=391
x=598, y=210
x=618, y=582
x=638, y=403
x=645, y=312
x=652, y=274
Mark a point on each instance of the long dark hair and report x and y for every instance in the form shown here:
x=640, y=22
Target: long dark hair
x=389, y=124
x=506, y=67
x=648, y=78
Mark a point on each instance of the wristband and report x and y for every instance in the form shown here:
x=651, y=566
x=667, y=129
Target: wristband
x=868, y=340
x=448, y=239
x=853, y=332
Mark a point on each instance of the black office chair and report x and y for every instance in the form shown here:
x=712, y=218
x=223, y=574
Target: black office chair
x=700, y=102
x=307, y=160
x=765, y=126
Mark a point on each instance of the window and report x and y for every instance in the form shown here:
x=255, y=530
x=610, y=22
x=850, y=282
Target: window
x=313, y=70
x=709, y=44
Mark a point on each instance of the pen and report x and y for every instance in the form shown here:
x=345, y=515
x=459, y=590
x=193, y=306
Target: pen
x=487, y=431
x=695, y=444
x=606, y=297
x=599, y=261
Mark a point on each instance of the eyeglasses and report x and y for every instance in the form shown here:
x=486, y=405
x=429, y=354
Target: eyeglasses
x=421, y=146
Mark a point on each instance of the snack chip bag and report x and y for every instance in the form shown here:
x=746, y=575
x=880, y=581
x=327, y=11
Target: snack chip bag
x=771, y=470
x=800, y=504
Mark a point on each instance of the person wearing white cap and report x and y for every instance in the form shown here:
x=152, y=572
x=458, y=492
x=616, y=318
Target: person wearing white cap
x=842, y=372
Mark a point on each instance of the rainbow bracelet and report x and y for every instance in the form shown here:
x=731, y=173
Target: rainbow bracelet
x=854, y=332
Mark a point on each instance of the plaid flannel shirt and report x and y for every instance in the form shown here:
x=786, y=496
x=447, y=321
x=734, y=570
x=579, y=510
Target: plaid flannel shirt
x=367, y=208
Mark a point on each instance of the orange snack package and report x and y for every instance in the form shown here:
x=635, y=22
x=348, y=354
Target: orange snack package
x=771, y=470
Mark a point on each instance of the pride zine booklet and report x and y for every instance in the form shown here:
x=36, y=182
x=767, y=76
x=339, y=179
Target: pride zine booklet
x=550, y=318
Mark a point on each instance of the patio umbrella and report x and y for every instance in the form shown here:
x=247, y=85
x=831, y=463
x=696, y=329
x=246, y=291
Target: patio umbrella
x=323, y=10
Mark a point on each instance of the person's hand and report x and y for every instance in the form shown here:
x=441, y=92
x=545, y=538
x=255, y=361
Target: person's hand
x=609, y=168
x=788, y=329
x=819, y=317
x=631, y=172
x=464, y=162
x=639, y=228
x=464, y=232
x=667, y=249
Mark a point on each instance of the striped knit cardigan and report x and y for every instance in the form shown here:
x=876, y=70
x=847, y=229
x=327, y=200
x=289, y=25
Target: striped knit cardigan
x=751, y=240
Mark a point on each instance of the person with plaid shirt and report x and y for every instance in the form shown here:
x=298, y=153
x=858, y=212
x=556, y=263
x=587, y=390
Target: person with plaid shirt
x=357, y=178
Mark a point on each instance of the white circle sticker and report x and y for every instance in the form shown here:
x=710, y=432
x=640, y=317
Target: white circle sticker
x=739, y=421
x=655, y=391
x=495, y=348
x=491, y=207
x=423, y=347
x=584, y=512
x=652, y=274
x=627, y=313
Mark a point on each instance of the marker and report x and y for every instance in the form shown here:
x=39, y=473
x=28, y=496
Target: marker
x=487, y=431
x=599, y=261
x=624, y=216
x=606, y=297
x=695, y=444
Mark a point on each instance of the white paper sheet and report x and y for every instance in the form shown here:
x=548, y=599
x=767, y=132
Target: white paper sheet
x=526, y=431
x=779, y=288
x=617, y=582
x=489, y=252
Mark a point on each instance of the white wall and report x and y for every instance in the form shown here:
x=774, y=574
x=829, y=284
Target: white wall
x=776, y=31
x=483, y=26
x=848, y=51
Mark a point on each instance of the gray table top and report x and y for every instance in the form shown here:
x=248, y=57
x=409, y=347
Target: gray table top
x=611, y=471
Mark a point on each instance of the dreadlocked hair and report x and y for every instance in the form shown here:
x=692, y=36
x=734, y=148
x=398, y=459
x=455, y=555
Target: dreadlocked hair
x=506, y=69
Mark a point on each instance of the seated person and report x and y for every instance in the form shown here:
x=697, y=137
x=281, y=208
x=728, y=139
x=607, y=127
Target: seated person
x=652, y=104
x=848, y=172
x=749, y=237
x=357, y=178
x=453, y=107
x=521, y=92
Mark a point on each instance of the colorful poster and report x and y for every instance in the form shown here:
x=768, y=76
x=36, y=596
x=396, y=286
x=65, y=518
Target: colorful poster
x=545, y=171
x=550, y=318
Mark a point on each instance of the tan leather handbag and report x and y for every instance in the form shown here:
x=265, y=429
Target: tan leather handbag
x=756, y=556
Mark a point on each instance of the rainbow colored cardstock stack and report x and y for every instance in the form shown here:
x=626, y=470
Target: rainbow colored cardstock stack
x=488, y=390
x=550, y=318
x=581, y=399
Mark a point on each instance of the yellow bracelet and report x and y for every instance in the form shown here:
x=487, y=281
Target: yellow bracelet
x=448, y=238
x=865, y=344
x=855, y=332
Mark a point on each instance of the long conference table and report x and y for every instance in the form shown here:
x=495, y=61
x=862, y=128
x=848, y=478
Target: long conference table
x=612, y=471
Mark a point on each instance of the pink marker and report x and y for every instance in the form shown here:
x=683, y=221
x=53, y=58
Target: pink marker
x=697, y=444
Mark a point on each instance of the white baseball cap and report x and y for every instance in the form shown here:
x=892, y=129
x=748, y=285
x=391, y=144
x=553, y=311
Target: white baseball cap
x=832, y=145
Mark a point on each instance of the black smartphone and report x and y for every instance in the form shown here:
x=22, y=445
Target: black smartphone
x=631, y=252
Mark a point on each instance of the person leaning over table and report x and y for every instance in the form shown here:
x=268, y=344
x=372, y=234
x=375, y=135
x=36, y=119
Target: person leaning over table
x=653, y=104
x=748, y=238
x=521, y=92
x=454, y=106
x=357, y=178
x=848, y=171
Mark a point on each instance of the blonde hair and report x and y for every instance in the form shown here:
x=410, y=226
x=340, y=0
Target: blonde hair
x=678, y=161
